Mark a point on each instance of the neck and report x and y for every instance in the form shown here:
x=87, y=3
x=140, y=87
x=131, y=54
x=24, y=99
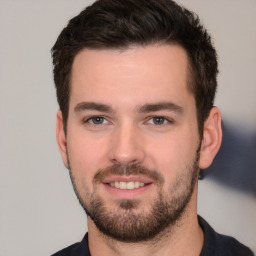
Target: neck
x=184, y=238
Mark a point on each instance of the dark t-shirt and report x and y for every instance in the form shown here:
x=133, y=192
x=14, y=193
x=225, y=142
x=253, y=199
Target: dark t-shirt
x=214, y=245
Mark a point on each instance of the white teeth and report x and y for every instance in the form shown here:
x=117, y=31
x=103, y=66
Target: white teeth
x=127, y=185
x=137, y=184
x=116, y=184
x=130, y=185
x=122, y=185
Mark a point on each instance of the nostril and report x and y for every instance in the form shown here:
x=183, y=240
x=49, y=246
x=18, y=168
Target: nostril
x=114, y=161
x=126, y=148
x=125, y=161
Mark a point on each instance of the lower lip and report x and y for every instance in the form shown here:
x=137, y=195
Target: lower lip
x=127, y=193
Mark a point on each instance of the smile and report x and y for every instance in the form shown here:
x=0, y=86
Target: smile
x=127, y=185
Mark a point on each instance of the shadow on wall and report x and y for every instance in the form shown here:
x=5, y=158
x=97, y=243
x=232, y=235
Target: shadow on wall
x=235, y=164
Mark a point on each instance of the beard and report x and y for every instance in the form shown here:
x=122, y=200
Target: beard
x=127, y=224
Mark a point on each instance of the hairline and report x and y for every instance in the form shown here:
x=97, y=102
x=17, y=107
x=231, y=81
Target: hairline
x=190, y=80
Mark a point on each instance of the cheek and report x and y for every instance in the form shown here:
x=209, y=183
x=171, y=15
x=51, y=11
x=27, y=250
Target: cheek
x=174, y=153
x=85, y=154
x=167, y=155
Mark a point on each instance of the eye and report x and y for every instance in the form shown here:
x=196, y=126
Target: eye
x=159, y=120
x=97, y=120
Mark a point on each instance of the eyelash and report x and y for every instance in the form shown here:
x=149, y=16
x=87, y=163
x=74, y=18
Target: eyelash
x=90, y=120
x=165, y=121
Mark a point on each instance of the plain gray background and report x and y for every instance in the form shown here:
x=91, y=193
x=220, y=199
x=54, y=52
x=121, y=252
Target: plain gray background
x=39, y=213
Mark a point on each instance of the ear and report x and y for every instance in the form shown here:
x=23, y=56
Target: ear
x=61, y=138
x=212, y=137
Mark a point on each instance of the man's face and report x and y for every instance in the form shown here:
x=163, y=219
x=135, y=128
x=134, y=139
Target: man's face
x=132, y=138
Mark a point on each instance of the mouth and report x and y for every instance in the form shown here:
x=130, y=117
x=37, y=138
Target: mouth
x=126, y=187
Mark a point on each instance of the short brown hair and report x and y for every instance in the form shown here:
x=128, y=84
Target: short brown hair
x=117, y=24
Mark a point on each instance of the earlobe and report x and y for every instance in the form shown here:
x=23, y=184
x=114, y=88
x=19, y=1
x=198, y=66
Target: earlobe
x=212, y=137
x=61, y=138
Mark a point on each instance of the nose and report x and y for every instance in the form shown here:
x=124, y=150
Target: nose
x=127, y=146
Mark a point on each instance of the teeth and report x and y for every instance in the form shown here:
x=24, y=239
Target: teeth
x=117, y=184
x=122, y=185
x=137, y=184
x=127, y=185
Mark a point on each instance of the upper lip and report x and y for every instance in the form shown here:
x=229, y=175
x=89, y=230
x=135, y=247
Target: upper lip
x=125, y=178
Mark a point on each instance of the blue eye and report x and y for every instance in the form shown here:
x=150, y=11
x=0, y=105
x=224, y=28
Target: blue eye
x=97, y=120
x=158, y=120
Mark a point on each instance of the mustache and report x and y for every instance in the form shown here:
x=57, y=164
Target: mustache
x=122, y=170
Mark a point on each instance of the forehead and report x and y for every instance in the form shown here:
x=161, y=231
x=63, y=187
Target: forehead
x=151, y=72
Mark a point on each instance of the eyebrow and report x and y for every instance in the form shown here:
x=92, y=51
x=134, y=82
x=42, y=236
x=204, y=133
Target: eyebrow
x=151, y=107
x=93, y=106
x=170, y=106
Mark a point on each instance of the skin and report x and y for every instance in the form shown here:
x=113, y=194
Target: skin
x=126, y=81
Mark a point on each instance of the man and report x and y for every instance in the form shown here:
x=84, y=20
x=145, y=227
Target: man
x=136, y=82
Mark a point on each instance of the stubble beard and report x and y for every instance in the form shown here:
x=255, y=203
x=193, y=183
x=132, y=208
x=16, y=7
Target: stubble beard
x=130, y=225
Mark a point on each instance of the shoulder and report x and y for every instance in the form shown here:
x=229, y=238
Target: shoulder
x=216, y=244
x=77, y=249
x=70, y=250
x=230, y=246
